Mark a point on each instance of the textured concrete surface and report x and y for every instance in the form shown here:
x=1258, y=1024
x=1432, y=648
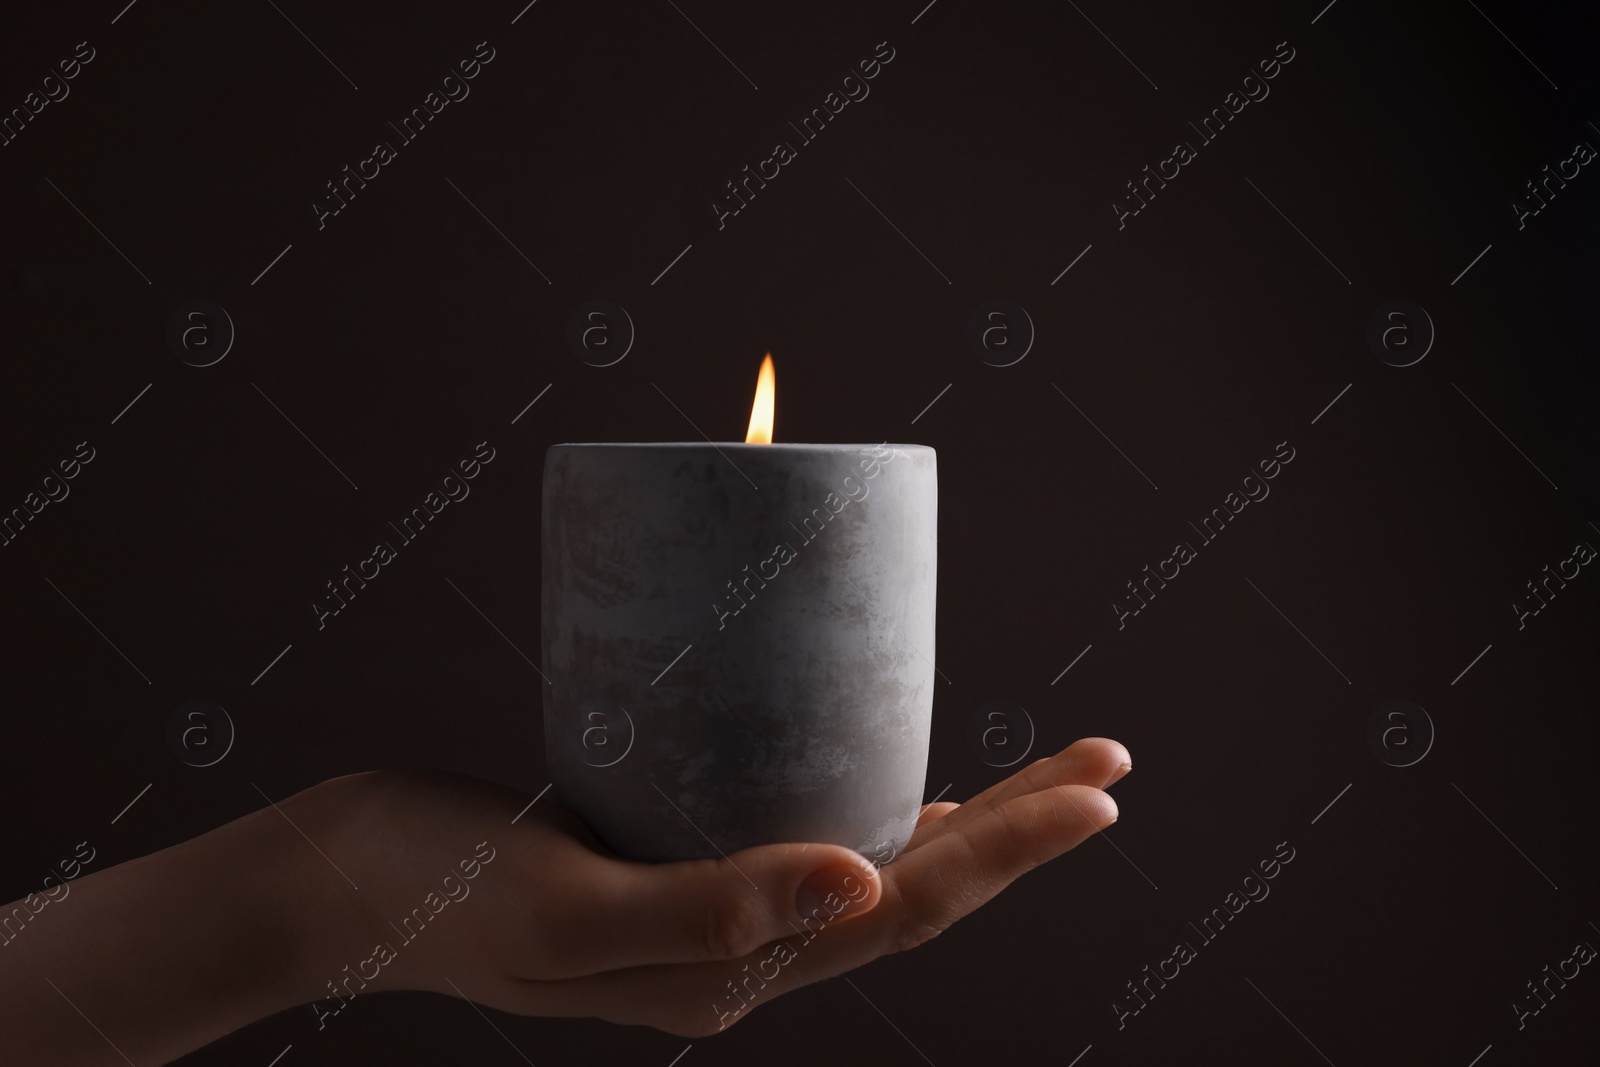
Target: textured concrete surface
x=801, y=710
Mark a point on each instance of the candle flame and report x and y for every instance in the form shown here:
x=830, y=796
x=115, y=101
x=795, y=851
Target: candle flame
x=760, y=432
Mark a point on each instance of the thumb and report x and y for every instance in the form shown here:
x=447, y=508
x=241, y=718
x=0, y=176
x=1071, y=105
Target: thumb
x=726, y=908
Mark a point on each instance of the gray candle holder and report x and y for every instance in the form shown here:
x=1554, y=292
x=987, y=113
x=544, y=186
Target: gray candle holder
x=739, y=643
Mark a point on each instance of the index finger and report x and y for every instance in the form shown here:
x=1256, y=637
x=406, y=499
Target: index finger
x=1093, y=761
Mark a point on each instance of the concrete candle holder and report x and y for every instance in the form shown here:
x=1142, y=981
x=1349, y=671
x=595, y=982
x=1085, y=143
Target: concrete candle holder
x=739, y=642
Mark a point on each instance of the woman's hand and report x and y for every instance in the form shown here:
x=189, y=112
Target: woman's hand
x=419, y=880
x=550, y=923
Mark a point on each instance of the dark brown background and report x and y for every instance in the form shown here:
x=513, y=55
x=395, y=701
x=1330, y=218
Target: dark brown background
x=1197, y=338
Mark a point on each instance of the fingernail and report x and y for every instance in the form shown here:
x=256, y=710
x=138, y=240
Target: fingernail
x=1122, y=769
x=831, y=892
x=1115, y=815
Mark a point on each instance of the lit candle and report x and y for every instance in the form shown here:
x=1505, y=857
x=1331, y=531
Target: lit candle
x=739, y=640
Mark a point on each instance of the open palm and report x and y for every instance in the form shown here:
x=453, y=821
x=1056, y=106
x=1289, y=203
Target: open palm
x=555, y=924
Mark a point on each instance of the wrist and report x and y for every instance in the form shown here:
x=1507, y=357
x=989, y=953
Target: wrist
x=306, y=893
